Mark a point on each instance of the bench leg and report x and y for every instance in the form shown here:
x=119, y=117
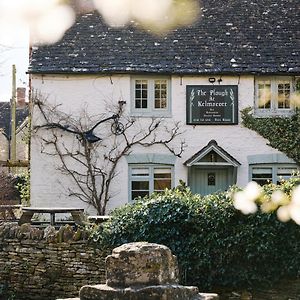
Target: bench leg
x=78, y=217
x=25, y=217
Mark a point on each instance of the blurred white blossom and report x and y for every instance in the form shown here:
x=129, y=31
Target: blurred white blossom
x=159, y=15
x=242, y=203
x=294, y=206
x=245, y=200
x=46, y=20
x=295, y=99
x=279, y=197
x=283, y=213
x=296, y=195
x=288, y=210
x=252, y=190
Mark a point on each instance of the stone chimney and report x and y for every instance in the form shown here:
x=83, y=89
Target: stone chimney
x=21, y=94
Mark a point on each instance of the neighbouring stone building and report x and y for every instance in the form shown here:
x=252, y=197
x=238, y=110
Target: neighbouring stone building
x=238, y=54
x=22, y=112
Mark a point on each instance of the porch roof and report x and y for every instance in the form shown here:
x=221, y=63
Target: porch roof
x=212, y=146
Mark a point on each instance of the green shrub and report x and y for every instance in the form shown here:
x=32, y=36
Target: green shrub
x=23, y=186
x=215, y=244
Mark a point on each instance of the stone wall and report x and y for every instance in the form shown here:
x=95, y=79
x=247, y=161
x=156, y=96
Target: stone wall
x=46, y=264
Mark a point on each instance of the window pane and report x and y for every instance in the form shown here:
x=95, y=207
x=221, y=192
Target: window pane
x=140, y=172
x=139, y=188
x=144, y=94
x=262, y=175
x=162, y=179
x=144, y=104
x=283, y=94
x=140, y=185
x=166, y=175
x=264, y=94
x=157, y=93
x=141, y=93
x=138, y=94
x=136, y=194
x=160, y=94
x=137, y=104
x=158, y=171
x=161, y=184
x=285, y=173
x=211, y=179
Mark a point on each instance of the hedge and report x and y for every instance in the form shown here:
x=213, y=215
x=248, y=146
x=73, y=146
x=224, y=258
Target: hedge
x=216, y=245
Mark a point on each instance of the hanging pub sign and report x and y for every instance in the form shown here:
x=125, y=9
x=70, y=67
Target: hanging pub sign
x=212, y=105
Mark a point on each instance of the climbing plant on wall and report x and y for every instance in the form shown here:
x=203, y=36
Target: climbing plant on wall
x=283, y=133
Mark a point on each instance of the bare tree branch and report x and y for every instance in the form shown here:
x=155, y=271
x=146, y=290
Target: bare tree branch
x=92, y=165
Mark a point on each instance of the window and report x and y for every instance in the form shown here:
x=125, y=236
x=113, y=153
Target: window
x=211, y=179
x=262, y=175
x=274, y=94
x=151, y=96
x=265, y=173
x=145, y=180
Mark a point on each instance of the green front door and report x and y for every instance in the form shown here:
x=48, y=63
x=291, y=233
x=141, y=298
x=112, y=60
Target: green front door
x=207, y=181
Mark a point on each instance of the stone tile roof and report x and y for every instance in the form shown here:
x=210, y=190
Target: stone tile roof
x=5, y=116
x=232, y=36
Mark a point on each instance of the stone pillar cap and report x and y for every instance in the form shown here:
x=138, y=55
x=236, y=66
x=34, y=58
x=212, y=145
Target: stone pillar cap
x=141, y=263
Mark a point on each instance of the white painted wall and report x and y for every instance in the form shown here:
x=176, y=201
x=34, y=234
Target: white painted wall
x=97, y=94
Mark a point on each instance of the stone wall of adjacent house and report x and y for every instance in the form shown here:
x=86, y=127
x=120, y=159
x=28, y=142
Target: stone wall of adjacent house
x=46, y=264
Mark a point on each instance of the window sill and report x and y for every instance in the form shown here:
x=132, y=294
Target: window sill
x=265, y=113
x=151, y=114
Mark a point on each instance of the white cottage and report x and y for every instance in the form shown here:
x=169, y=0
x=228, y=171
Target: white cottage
x=238, y=54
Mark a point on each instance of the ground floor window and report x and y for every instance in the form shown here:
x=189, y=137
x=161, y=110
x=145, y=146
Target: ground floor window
x=146, y=179
x=264, y=173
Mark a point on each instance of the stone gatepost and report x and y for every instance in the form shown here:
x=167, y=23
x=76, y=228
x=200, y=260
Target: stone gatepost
x=142, y=271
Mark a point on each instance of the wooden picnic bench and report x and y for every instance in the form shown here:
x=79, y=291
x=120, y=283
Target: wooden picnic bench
x=28, y=212
x=98, y=219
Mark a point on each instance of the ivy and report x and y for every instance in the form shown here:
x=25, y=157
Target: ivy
x=283, y=133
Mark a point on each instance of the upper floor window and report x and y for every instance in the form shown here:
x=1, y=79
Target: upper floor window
x=274, y=94
x=151, y=96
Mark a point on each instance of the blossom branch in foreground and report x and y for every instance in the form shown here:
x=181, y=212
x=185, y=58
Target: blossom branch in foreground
x=283, y=198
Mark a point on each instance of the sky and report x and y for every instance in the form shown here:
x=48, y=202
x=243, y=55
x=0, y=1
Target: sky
x=15, y=52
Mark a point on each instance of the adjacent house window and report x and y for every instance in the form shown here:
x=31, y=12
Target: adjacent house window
x=264, y=173
x=151, y=96
x=274, y=94
x=145, y=180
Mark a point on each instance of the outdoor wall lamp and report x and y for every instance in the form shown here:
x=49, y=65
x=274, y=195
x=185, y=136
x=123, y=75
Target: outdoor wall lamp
x=117, y=128
x=212, y=79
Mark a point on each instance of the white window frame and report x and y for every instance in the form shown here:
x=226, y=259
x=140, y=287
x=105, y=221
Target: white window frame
x=150, y=178
x=275, y=170
x=151, y=110
x=274, y=110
